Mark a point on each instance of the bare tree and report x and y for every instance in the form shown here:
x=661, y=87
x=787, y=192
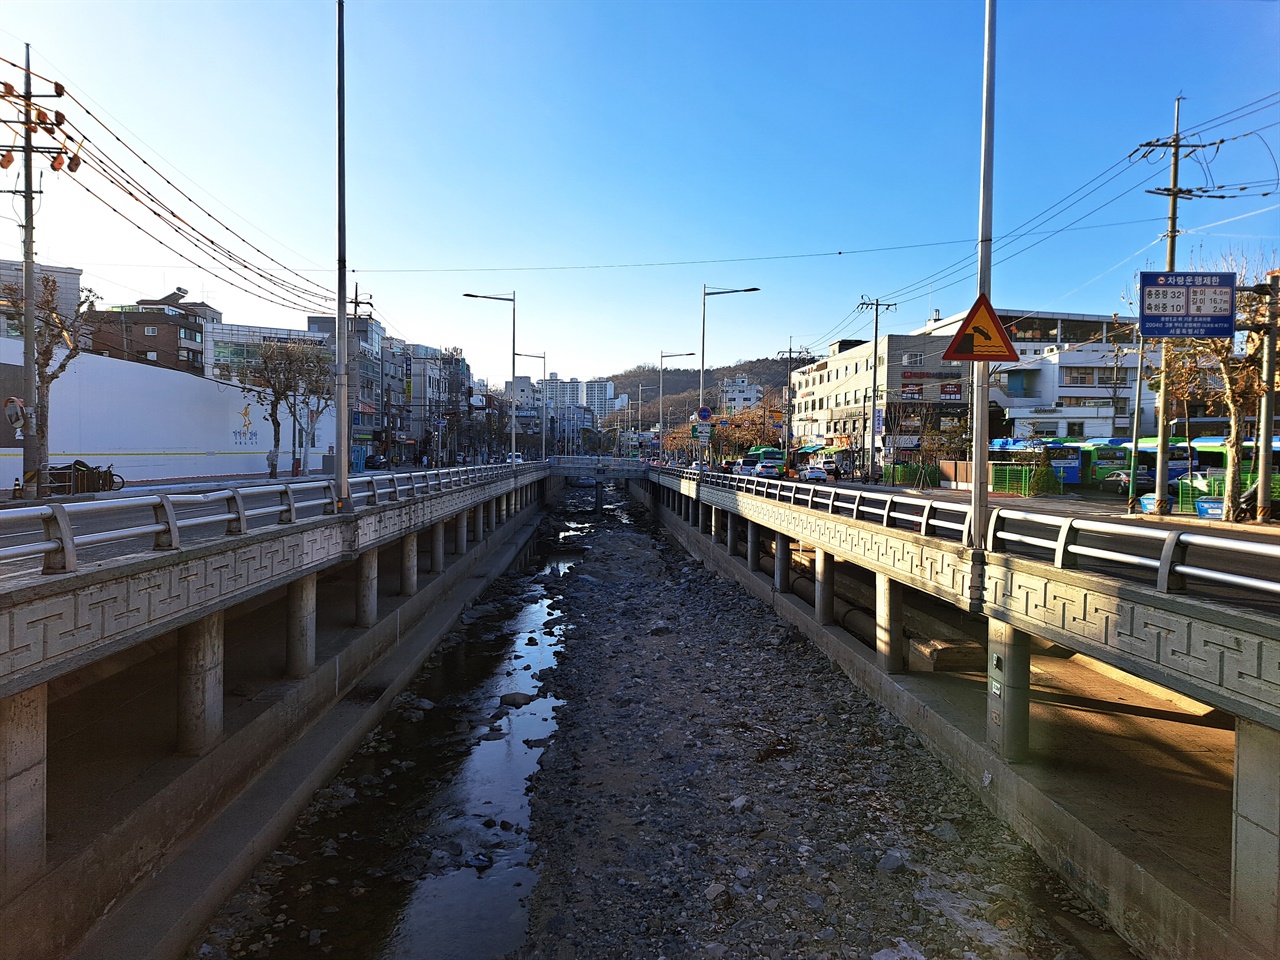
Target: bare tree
x=314, y=393
x=58, y=341
x=288, y=375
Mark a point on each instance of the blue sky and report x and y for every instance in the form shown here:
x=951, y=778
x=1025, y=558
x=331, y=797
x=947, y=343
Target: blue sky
x=605, y=160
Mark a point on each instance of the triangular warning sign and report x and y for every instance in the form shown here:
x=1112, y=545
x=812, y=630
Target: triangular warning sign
x=981, y=337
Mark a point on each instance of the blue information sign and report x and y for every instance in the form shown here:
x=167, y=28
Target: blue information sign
x=1188, y=305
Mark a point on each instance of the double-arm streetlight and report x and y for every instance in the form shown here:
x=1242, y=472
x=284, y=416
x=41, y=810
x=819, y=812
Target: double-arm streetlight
x=662, y=358
x=712, y=292
x=512, y=300
x=542, y=387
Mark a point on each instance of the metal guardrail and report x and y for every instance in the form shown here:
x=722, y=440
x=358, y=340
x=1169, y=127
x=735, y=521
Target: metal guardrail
x=56, y=532
x=1128, y=545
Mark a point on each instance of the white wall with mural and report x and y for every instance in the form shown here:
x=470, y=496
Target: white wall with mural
x=153, y=424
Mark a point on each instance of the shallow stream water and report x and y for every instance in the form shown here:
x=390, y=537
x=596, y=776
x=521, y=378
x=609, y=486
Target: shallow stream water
x=419, y=847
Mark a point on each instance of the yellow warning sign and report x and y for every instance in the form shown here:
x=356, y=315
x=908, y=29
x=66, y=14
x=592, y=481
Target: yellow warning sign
x=982, y=337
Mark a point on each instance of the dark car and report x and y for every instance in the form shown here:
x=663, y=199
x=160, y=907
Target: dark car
x=1117, y=481
x=376, y=462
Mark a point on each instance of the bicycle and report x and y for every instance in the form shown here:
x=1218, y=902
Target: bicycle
x=108, y=480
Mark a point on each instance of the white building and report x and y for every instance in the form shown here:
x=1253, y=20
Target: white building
x=737, y=395
x=1076, y=375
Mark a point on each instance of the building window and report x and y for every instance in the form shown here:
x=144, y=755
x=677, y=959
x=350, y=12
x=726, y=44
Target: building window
x=149, y=355
x=913, y=359
x=149, y=331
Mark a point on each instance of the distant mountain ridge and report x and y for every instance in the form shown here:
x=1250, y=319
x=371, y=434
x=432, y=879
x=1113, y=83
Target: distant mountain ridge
x=770, y=373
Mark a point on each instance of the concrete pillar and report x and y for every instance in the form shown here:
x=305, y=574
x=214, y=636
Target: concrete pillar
x=477, y=522
x=717, y=525
x=1008, y=690
x=704, y=517
x=409, y=564
x=437, y=547
x=367, y=589
x=300, y=635
x=24, y=723
x=891, y=642
x=781, y=562
x=460, y=533
x=753, y=546
x=1255, y=835
x=599, y=496
x=491, y=513
x=731, y=533
x=200, y=657
x=501, y=503
x=824, y=598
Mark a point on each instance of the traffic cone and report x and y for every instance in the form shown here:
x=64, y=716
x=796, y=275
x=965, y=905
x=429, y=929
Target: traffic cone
x=17, y=488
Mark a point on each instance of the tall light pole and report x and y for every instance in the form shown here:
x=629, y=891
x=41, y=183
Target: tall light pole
x=542, y=386
x=712, y=292
x=512, y=300
x=662, y=357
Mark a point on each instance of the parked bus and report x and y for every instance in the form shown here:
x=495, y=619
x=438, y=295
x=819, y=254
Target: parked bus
x=1101, y=457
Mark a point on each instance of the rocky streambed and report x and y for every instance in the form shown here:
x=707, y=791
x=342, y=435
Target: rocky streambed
x=707, y=785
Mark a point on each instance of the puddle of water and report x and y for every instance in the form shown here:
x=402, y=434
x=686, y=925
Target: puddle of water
x=420, y=847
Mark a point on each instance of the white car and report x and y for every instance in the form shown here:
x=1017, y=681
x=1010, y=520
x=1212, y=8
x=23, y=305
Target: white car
x=515, y=458
x=1199, y=482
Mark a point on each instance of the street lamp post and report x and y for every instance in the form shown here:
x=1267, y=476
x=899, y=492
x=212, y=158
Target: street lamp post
x=512, y=300
x=542, y=386
x=662, y=358
x=712, y=292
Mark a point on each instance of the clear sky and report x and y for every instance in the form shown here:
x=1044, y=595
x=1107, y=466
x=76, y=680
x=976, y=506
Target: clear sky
x=604, y=160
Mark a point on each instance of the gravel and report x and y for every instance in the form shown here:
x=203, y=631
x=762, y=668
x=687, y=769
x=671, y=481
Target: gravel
x=714, y=788
x=717, y=788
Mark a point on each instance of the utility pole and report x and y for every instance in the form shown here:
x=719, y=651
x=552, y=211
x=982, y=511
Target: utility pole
x=34, y=469
x=790, y=393
x=1162, y=400
x=875, y=372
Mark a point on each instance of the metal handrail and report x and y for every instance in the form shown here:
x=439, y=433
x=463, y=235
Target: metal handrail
x=60, y=542
x=884, y=509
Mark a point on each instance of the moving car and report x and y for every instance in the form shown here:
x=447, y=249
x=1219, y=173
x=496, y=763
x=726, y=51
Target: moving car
x=768, y=468
x=376, y=462
x=518, y=458
x=829, y=465
x=814, y=473
x=1117, y=481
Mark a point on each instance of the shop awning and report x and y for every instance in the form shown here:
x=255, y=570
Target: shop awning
x=833, y=449
x=812, y=448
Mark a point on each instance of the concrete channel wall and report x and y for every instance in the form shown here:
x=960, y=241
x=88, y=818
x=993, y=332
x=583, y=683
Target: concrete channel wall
x=1174, y=888
x=75, y=898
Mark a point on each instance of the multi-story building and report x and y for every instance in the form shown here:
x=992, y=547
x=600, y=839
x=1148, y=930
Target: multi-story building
x=1075, y=377
x=598, y=395
x=67, y=279
x=737, y=395
x=364, y=382
x=168, y=332
x=425, y=395
x=229, y=347
x=915, y=390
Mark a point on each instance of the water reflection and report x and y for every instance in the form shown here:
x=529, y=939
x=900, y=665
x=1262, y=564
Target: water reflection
x=419, y=848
